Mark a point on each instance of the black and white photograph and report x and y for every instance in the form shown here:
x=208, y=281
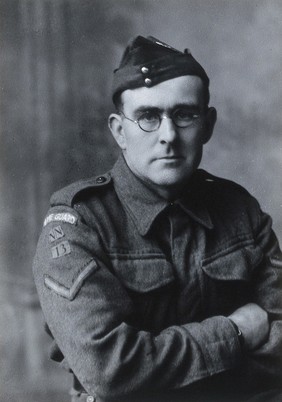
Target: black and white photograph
x=140, y=201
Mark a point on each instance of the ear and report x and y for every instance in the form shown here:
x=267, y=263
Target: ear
x=209, y=123
x=116, y=126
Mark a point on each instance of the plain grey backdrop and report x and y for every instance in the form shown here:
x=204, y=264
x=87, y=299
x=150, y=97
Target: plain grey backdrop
x=56, y=64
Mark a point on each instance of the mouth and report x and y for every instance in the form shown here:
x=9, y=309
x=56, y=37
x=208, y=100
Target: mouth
x=171, y=157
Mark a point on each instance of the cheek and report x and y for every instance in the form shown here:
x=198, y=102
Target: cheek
x=138, y=145
x=136, y=152
x=191, y=143
x=135, y=149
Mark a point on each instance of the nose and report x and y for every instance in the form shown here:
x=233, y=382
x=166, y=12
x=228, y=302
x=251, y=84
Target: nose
x=167, y=130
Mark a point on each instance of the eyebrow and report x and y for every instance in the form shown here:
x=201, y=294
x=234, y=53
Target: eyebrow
x=145, y=108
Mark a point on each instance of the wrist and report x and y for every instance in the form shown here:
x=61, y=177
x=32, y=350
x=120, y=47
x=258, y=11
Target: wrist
x=239, y=333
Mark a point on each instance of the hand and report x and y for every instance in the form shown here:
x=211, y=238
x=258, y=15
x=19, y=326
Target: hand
x=252, y=320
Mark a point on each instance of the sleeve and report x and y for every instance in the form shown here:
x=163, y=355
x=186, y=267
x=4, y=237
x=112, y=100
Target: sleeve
x=267, y=360
x=268, y=294
x=89, y=313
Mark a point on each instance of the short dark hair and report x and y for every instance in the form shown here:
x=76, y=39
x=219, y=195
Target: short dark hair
x=118, y=102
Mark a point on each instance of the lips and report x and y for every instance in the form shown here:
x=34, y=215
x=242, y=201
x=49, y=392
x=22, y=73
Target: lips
x=171, y=157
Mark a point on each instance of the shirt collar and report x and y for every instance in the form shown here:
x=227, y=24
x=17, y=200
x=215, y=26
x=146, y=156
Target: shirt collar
x=144, y=205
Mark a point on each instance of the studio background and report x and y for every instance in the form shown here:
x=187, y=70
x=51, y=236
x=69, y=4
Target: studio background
x=56, y=63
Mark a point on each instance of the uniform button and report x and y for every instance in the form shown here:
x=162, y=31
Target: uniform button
x=90, y=399
x=148, y=81
x=100, y=180
x=144, y=70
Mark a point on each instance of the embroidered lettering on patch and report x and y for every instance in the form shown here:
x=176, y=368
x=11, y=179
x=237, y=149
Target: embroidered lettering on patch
x=61, y=249
x=56, y=233
x=61, y=217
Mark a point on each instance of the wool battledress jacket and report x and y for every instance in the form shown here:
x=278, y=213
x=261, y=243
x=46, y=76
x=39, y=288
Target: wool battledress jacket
x=136, y=290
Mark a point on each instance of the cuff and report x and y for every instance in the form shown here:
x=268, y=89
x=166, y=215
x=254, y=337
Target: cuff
x=218, y=339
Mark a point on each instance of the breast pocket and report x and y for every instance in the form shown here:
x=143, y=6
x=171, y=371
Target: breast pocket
x=149, y=282
x=228, y=276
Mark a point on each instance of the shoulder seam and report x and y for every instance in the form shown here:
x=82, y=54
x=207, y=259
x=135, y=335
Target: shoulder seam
x=66, y=195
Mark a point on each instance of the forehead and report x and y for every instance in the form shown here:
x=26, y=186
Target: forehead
x=167, y=94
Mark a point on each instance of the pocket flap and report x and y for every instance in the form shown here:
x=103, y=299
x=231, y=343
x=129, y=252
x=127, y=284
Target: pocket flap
x=143, y=274
x=236, y=265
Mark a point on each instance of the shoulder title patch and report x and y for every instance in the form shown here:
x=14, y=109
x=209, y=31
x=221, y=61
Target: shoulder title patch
x=61, y=217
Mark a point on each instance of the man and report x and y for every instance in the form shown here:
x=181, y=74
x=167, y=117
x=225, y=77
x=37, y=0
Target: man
x=159, y=281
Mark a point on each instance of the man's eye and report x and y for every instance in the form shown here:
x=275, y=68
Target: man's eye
x=183, y=114
x=149, y=117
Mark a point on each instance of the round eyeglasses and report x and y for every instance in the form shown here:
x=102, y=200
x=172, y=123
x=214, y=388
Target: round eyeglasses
x=151, y=120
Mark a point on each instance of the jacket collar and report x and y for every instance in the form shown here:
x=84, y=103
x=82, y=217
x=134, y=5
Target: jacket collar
x=144, y=205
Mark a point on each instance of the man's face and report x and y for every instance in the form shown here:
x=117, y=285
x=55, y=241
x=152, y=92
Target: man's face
x=168, y=156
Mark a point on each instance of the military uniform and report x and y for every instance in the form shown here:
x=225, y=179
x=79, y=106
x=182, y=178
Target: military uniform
x=136, y=290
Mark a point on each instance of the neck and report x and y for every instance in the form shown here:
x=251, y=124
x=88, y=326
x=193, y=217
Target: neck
x=169, y=193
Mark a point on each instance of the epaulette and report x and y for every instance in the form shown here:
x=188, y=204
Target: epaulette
x=205, y=176
x=66, y=195
x=220, y=183
x=201, y=177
